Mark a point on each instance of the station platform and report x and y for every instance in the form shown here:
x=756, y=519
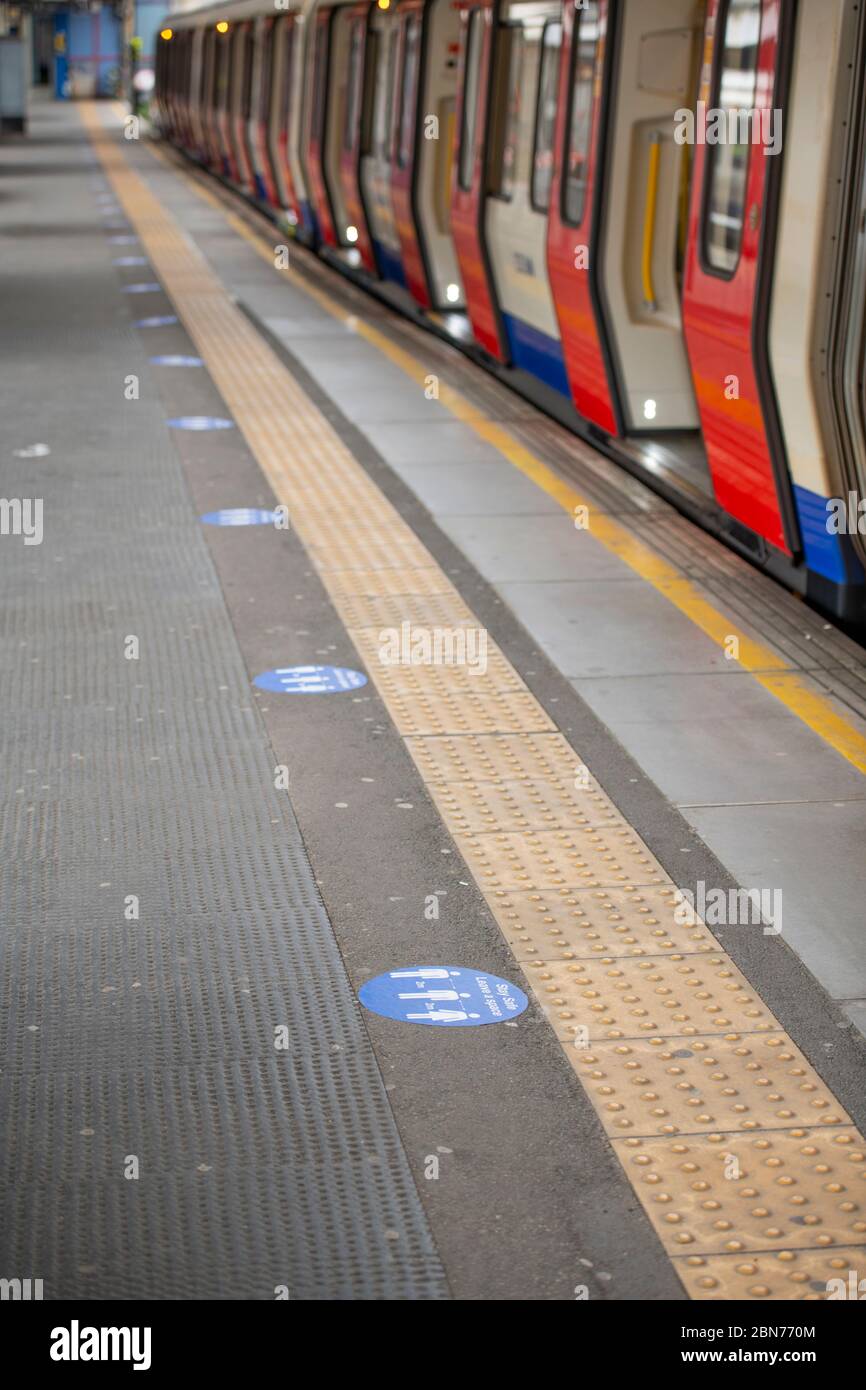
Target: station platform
x=213, y=838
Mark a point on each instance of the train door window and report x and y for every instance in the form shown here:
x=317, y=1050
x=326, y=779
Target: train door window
x=383, y=138
x=505, y=144
x=288, y=58
x=267, y=70
x=736, y=84
x=354, y=89
x=471, y=82
x=320, y=79
x=545, y=116
x=205, y=68
x=247, y=74
x=584, y=56
x=411, y=49
x=368, y=107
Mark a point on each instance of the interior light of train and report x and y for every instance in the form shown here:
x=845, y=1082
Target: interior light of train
x=649, y=410
x=351, y=233
x=166, y=33
x=452, y=293
x=222, y=26
x=384, y=4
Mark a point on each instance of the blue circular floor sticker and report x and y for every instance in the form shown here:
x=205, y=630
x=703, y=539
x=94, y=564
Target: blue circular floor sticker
x=240, y=516
x=444, y=996
x=201, y=422
x=310, y=680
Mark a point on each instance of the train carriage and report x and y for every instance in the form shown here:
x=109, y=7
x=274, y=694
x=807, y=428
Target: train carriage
x=647, y=215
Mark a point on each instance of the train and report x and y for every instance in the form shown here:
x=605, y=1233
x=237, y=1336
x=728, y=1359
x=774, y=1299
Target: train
x=648, y=216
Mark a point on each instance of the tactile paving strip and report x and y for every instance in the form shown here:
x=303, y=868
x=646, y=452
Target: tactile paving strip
x=682, y=997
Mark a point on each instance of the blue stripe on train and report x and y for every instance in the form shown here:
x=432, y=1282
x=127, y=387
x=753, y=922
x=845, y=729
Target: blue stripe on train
x=537, y=352
x=389, y=263
x=826, y=552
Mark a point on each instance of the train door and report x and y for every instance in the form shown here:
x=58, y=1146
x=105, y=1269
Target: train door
x=283, y=39
x=222, y=103
x=263, y=75
x=469, y=180
x=207, y=146
x=316, y=106
x=433, y=165
x=241, y=103
x=738, y=166
x=376, y=145
x=519, y=183
x=195, y=83
x=335, y=132
x=410, y=21
x=357, y=231
x=643, y=237
x=575, y=211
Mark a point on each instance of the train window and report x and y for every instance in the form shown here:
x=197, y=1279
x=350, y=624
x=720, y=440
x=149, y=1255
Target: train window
x=736, y=82
x=368, y=109
x=504, y=138
x=545, y=116
x=205, y=68
x=355, y=84
x=288, y=59
x=575, y=163
x=411, y=50
x=471, y=83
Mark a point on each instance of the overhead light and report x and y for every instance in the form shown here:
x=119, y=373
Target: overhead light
x=351, y=233
x=452, y=293
x=649, y=410
x=384, y=4
x=166, y=33
x=222, y=26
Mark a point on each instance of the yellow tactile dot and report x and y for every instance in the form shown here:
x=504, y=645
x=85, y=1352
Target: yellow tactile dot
x=508, y=806
x=496, y=757
x=726, y=1195
x=593, y=858
x=672, y=996
x=717, y=1085
x=774, y=1276
x=596, y=922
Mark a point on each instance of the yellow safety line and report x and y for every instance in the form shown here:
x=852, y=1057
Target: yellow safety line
x=746, y=1164
x=771, y=671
